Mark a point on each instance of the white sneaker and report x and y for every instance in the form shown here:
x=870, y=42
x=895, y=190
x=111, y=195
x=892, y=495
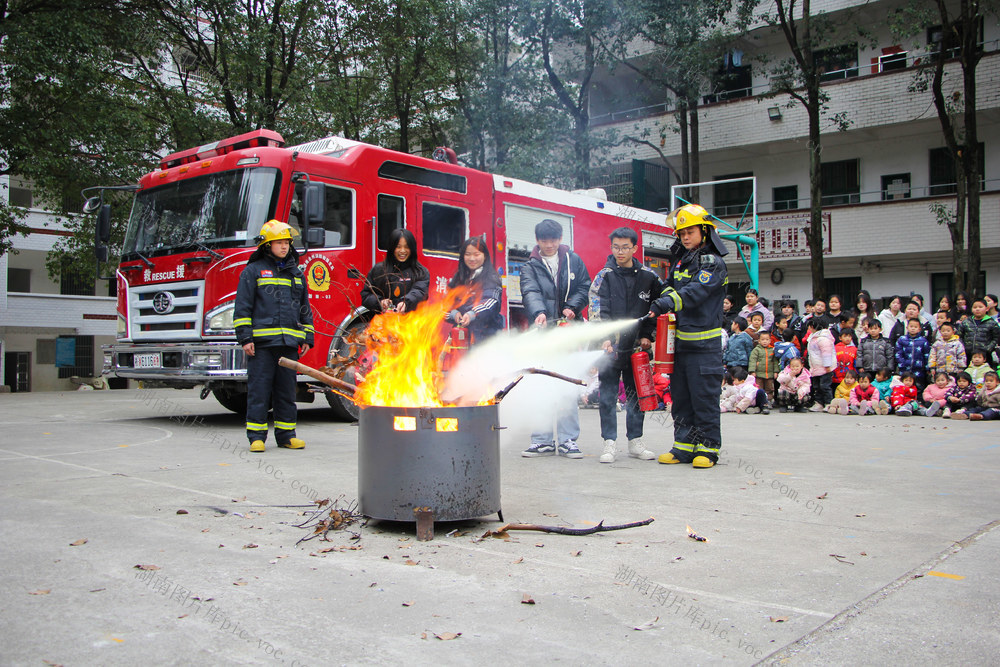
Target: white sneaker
x=608, y=455
x=638, y=451
x=816, y=407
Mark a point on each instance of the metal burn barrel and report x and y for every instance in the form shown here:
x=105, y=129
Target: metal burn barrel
x=446, y=459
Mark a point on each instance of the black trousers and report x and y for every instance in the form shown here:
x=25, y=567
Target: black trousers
x=695, y=386
x=270, y=385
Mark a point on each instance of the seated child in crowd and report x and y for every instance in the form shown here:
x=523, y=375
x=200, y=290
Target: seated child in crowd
x=842, y=395
x=744, y=394
x=737, y=353
x=987, y=401
x=936, y=394
x=763, y=365
x=904, y=396
x=865, y=397
x=960, y=396
x=794, y=385
x=661, y=385
x=883, y=381
x=978, y=369
x=947, y=353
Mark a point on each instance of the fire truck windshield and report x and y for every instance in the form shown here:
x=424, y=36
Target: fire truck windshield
x=221, y=210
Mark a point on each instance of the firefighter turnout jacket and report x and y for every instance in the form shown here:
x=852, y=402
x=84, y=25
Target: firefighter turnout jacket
x=695, y=288
x=272, y=303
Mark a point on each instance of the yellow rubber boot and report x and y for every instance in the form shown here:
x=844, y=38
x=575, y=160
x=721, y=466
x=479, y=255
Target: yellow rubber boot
x=702, y=462
x=294, y=443
x=257, y=446
x=667, y=458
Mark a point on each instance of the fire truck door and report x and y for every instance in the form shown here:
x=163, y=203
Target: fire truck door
x=343, y=256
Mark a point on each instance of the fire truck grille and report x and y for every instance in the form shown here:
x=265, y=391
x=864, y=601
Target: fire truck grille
x=166, y=311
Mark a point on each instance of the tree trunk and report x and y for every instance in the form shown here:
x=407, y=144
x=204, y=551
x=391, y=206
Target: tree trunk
x=695, y=158
x=815, y=190
x=682, y=122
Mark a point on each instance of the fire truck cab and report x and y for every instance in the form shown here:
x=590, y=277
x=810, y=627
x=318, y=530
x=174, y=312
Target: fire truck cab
x=194, y=219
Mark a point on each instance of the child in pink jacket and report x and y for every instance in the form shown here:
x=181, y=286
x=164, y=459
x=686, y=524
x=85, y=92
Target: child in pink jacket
x=936, y=395
x=794, y=385
x=745, y=393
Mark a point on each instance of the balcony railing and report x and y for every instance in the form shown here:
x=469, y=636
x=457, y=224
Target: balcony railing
x=883, y=65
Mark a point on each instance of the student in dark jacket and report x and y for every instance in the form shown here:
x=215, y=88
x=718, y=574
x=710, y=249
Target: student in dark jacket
x=399, y=282
x=875, y=352
x=273, y=319
x=623, y=290
x=899, y=329
x=480, y=310
x=554, y=286
x=979, y=332
x=737, y=354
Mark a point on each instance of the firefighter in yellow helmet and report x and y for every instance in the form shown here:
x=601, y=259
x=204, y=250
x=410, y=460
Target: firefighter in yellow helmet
x=694, y=289
x=273, y=320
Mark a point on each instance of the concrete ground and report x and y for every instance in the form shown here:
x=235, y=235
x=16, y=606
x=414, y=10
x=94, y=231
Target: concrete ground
x=831, y=540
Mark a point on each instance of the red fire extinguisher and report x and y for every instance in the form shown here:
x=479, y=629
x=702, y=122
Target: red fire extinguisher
x=458, y=345
x=644, y=388
x=666, y=336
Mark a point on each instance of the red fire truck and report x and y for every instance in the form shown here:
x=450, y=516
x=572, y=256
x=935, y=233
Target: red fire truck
x=193, y=222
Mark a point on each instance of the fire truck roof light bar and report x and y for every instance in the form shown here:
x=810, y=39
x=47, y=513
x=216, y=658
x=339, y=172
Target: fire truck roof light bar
x=255, y=139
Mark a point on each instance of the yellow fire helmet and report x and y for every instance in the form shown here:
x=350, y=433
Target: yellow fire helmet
x=274, y=230
x=690, y=215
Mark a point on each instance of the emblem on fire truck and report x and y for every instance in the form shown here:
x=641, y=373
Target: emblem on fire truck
x=163, y=303
x=318, y=277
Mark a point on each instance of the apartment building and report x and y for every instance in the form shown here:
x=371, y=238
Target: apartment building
x=51, y=330
x=881, y=175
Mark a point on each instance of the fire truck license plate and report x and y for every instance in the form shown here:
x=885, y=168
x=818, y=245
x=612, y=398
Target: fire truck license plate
x=147, y=360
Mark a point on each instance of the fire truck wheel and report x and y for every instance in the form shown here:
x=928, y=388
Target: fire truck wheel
x=344, y=408
x=235, y=401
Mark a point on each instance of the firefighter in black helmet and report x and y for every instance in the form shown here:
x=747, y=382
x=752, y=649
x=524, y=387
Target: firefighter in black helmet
x=273, y=320
x=695, y=288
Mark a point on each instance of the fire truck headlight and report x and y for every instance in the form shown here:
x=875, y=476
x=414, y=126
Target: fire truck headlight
x=219, y=321
x=122, y=329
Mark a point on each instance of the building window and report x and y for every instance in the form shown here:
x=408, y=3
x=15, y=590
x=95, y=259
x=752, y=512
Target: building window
x=732, y=198
x=74, y=282
x=943, y=177
x=840, y=182
x=786, y=197
x=78, y=351
x=895, y=186
x=19, y=197
x=18, y=280
x=892, y=58
x=391, y=212
x=443, y=228
x=45, y=351
x=949, y=42
x=731, y=82
x=944, y=284
x=839, y=62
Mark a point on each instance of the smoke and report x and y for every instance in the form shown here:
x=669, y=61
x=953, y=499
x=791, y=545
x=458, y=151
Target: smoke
x=533, y=403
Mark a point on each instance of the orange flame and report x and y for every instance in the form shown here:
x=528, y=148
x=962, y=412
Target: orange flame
x=407, y=349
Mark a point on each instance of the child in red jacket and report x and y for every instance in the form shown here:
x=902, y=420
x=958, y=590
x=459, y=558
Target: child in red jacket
x=904, y=396
x=847, y=355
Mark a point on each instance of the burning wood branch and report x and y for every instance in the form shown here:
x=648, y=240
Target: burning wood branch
x=562, y=530
x=298, y=367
